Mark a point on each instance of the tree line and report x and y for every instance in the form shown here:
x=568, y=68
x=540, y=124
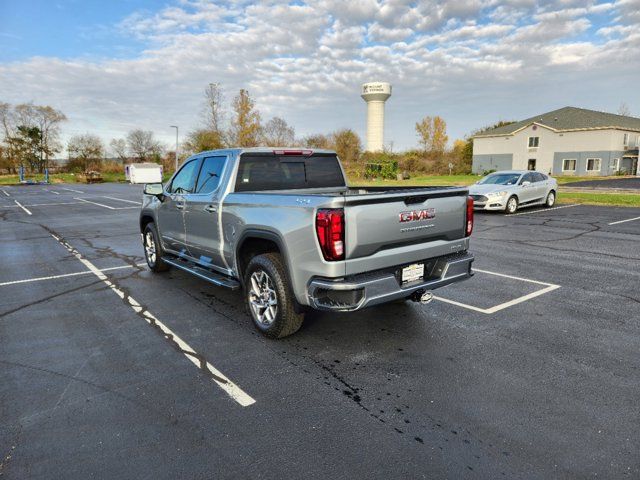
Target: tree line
x=31, y=137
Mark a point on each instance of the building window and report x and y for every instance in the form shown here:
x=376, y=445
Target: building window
x=569, y=165
x=615, y=164
x=593, y=164
x=625, y=141
x=534, y=142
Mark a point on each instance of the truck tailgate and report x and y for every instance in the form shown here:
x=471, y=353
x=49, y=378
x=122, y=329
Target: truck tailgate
x=377, y=222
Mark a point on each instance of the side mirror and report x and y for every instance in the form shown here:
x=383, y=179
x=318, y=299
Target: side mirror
x=525, y=183
x=154, y=189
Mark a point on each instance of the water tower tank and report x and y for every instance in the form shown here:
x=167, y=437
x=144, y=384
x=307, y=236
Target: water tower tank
x=375, y=94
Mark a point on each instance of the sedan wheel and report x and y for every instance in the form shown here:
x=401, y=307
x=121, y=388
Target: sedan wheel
x=263, y=298
x=512, y=205
x=551, y=199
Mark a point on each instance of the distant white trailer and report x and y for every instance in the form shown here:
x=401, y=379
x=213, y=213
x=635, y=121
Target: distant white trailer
x=143, y=172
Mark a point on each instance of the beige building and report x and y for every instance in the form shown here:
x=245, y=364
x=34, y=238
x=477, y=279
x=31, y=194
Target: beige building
x=568, y=141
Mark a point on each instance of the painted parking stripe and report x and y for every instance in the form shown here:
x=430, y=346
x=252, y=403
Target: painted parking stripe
x=6, y=193
x=40, y=204
x=230, y=388
x=95, y=203
x=53, y=191
x=548, y=287
x=22, y=207
x=543, y=210
x=72, y=190
x=624, y=221
x=122, y=200
x=65, y=275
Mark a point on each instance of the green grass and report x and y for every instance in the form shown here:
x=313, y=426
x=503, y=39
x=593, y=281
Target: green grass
x=427, y=180
x=611, y=199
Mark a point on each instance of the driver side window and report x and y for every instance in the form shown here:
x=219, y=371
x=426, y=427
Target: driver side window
x=185, y=180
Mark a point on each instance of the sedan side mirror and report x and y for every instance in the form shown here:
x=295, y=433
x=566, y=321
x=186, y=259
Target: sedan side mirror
x=155, y=189
x=525, y=183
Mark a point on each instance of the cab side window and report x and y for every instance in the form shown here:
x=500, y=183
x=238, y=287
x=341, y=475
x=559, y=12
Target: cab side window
x=210, y=174
x=185, y=180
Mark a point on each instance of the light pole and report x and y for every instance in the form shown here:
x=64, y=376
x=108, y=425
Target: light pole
x=174, y=126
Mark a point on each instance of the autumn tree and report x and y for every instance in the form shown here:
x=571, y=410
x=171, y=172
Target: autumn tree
x=143, y=146
x=19, y=126
x=432, y=134
x=347, y=145
x=85, y=152
x=317, y=140
x=245, y=130
x=201, y=140
x=278, y=133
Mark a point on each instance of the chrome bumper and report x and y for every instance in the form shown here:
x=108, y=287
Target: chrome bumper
x=367, y=289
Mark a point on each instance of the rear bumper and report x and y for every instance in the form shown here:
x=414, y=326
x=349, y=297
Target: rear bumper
x=372, y=288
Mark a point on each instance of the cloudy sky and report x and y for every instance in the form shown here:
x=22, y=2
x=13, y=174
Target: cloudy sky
x=113, y=66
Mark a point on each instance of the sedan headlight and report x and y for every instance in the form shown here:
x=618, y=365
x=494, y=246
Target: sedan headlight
x=496, y=194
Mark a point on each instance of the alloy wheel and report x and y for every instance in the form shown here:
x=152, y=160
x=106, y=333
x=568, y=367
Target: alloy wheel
x=263, y=298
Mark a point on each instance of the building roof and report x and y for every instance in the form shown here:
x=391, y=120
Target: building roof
x=569, y=118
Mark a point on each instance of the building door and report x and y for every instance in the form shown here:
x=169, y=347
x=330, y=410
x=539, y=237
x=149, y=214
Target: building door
x=532, y=164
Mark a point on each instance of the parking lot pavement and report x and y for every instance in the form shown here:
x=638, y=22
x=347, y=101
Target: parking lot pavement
x=528, y=370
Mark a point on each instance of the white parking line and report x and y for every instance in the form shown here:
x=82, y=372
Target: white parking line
x=624, y=221
x=40, y=204
x=72, y=190
x=543, y=210
x=549, y=287
x=53, y=191
x=122, y=200
x=102, y=204
x=6, y=193
x=233, y=390
x=64, y=275
x=22, y=207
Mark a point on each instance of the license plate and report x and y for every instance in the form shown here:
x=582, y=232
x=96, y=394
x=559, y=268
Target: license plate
x=413, y=272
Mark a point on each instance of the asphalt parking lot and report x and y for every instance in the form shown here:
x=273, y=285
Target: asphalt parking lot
x=528, y=370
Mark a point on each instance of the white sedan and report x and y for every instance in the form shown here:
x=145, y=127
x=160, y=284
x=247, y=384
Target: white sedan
x=513, y=189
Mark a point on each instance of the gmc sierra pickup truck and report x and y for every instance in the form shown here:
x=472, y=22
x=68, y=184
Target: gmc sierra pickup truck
x=283, y=226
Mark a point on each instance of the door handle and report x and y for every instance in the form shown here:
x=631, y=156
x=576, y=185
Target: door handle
x=211, y=209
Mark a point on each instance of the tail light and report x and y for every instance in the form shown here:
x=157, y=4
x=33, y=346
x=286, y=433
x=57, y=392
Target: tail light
x=330, y=231
x=469, y=224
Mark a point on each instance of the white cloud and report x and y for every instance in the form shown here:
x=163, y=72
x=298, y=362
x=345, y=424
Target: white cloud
x=466, y=61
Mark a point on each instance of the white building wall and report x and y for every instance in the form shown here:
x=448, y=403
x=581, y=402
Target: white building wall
x=549, y=143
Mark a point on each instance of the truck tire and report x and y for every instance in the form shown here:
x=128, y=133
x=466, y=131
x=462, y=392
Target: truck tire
x=153, y=252
x=269, y=298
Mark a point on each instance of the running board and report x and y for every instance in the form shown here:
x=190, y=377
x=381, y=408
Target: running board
x=212, y=277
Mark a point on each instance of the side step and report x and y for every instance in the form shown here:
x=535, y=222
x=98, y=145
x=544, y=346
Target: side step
x=208, y=275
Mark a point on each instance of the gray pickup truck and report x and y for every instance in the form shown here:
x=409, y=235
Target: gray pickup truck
x=283, y=225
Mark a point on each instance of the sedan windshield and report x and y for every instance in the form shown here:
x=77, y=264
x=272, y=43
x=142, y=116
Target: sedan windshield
x=500, y=179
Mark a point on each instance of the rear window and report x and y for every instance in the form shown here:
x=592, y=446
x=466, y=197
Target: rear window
x=258, y=172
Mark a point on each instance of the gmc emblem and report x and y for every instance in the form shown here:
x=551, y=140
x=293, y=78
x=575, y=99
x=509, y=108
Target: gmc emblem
x=417, y=215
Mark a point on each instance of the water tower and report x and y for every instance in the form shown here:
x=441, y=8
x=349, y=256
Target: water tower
x=375, y=94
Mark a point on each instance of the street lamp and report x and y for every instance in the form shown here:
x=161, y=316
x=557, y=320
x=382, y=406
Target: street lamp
x=174, y=126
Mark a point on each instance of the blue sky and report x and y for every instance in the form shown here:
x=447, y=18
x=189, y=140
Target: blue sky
x=116, y=65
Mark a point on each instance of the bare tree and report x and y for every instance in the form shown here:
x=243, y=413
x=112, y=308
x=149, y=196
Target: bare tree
x=143, y=146
x=214, y=110
x=85, y=151
x=278, y=133
x=245, y=128
x=120, y=149
x=623, y=109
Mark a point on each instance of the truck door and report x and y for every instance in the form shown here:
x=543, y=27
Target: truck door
x=171, y=210
x=201, y=213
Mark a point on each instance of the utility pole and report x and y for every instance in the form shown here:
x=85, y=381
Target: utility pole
x=174, y=126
